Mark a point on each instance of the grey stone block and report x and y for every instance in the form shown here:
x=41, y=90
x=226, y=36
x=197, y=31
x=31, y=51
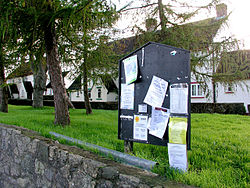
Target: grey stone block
x=43, y=151
x=109, y=173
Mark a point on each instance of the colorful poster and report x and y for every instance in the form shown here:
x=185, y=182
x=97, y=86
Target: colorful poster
x=156, y=92
x=159, y=121
x=127, y=96
x=179, y=98
x=130, y=69
x=140, y=127
x=177, y=155
x=177, y=130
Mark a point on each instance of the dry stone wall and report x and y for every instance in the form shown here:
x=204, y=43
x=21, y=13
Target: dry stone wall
x=29, y=160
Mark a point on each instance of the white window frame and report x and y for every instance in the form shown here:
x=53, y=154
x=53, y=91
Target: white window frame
x=198, y=90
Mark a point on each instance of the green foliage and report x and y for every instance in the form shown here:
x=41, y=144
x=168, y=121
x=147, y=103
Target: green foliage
x=219, y=143
x=173, y=28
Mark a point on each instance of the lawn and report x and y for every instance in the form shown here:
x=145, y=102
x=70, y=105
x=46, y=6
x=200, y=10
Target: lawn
x=220, y=143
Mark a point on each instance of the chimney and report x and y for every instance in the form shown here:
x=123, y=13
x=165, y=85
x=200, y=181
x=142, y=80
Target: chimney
x=151, y=24
x=221, y=10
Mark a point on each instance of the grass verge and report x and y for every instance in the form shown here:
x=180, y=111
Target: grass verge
x=220, y=143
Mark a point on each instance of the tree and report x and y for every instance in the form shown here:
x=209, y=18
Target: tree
x=169, y=26
x=7, y=40
x=50, y=19
x=38, y=66
x=89, y=46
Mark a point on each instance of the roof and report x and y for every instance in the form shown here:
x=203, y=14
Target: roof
x=13, y=88
x=28, y=86
x=63, y=74
x=109, y=83
x=235, y=65
x=193, y=36
x=22, y=70
x=76, y=85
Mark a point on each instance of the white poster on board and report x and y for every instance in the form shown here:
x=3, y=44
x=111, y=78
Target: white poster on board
x=156, y=92
x=179, y=98
x=159, y=121
x=142, y=108
x=140, y=127
x=130, y=69
x=127, y=96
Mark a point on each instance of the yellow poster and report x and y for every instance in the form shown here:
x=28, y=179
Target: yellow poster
x=177, y=130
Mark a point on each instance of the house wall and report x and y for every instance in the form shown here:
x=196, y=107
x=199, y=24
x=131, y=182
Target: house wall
x=19, y=82
x=105, y=95
x=76, y=96
x=112, y=96
x=94, y=94
x=240, y=93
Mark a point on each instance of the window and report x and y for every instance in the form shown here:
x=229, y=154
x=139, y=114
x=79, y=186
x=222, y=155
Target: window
x=197, y=90
x=77, y=93
x=99, y=94
x=229, y=88
x=89, y=93
x=22, y=93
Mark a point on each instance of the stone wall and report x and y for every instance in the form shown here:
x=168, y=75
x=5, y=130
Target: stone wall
x=29, y=160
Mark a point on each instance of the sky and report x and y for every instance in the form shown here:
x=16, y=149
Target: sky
x=238, y=24
x=238, y=20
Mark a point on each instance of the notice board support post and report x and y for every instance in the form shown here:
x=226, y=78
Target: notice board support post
x=128, y=146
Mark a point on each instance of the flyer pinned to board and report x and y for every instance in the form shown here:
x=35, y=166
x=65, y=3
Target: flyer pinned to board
x=156, y=92
x=127, y=96
x=140, y=127
x=177, y=130
x=130, y=69
x=179, y=98
x=177, y=154
x=158, y=122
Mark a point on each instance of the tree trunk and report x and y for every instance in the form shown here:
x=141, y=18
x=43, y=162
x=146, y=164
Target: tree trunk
x=70, y=103
x=39, y=73
x=162, y=16
x=85, y=89
x=3, y=91
x=60, y=96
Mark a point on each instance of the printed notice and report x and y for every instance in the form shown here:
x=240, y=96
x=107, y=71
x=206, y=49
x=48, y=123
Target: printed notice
x=156, y=92
x=130, y=69
x=159, y=121
x=140, y=127
x=177, y=154
x=179, y=98
x=177, y=130
x=127, y=96
x=142, y=108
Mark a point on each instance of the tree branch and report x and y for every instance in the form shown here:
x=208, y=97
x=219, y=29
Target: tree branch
x=144, y=6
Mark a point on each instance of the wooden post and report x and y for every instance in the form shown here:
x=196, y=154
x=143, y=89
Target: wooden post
x=128, y=146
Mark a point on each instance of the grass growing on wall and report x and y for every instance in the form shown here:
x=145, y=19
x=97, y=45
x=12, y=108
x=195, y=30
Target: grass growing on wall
x=220, y=143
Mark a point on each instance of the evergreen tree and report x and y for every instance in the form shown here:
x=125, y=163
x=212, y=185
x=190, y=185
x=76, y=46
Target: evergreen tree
x=48, y=20
x=7, y=43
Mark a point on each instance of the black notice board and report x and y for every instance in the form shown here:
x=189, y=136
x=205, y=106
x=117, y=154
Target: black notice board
x=154, y=59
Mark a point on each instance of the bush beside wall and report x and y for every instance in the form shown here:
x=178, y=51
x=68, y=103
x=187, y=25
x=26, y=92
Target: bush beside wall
x=221, y=108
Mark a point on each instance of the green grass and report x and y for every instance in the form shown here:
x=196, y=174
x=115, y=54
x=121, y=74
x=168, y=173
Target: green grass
x=220, y=143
